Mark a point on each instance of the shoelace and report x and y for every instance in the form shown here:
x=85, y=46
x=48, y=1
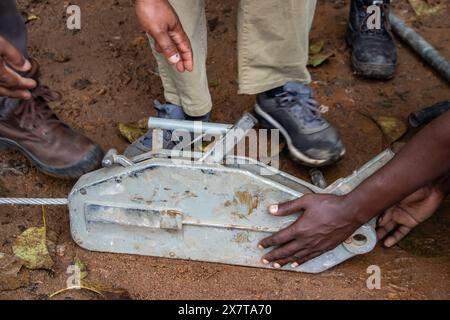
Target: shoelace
x=36, y=111
x=306, y=109
x=385, y=26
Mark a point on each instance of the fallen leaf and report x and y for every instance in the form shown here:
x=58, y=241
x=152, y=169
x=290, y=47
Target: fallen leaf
x=34, y=245
x=10, y=276
x=422, y=8
x=214, y=83
x=31, y=17
x=83, y=269
x=316, y=60
x=392, y=128
x=316, y=47
x=133, y=131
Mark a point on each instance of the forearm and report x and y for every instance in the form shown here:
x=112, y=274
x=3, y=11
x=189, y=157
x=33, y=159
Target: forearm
x=423, y=160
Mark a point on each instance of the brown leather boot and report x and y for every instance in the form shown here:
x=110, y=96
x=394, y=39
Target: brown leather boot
x=32, y=128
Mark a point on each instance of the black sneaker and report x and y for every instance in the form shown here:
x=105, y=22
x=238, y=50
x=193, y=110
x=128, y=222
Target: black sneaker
x=310, y=139
x=374, y=53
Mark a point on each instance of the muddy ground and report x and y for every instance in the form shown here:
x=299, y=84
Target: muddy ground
x=108, y=76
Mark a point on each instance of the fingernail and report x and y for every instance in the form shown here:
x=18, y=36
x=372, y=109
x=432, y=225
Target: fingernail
x=26, y=66
x=276, y=265
x=174, y=59
x=264, y=261
x=389, y=243
x=273, y=209
x=260, y=247
x=294, y=265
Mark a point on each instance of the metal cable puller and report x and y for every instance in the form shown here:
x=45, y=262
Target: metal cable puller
x=197, y=205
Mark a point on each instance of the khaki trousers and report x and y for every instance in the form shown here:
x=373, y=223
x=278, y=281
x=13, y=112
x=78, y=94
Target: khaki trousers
x=273, y=41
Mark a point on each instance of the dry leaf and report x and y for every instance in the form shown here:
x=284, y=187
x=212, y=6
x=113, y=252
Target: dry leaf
x=31, y=17
x=34, y=245
x=83, y=269
x=316, y=60
x=423, y=8
x=392, y=128
x=316, y=47
x=133, y=131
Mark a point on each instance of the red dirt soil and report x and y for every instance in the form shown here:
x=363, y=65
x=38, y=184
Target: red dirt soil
x=122, y=84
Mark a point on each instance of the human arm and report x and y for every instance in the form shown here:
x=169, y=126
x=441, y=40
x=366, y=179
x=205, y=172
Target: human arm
x=328, y=220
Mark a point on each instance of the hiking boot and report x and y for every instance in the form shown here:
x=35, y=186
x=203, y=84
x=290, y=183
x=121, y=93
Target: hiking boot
x=145, y=143
x=310, y=139
x=374, y=53
x=32, y=128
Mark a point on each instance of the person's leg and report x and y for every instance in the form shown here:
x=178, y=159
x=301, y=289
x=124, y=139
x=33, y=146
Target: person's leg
x=187, y=94
x=273, y=54
x=374, y=54
x=31, y=126
x=273, y=43
x=13, y=29
x=188, y=89
x=12, y=25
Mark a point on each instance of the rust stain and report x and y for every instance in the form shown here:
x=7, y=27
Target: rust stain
x=173, y=213
x=245, y=198
x=241, y=237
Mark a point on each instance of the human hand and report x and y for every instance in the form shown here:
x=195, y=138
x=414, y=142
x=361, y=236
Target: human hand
x=161, y=22
x=12, y=84
x=398, y=221
x=327, y=221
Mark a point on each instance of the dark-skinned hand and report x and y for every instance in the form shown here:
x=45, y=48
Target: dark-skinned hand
x=12, y=84
x=399, y=220
x=325, y=223
x=160, y=21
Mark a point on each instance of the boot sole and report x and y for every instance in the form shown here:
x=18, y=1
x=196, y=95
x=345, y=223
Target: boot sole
x=294, y=153
x=89, y=162
x=368, y=70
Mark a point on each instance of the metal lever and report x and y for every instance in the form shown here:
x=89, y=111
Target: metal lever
x=238, y=132
x=111, y=158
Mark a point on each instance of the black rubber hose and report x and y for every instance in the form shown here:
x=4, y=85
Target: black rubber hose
x=427, y=115
x=421, y=46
